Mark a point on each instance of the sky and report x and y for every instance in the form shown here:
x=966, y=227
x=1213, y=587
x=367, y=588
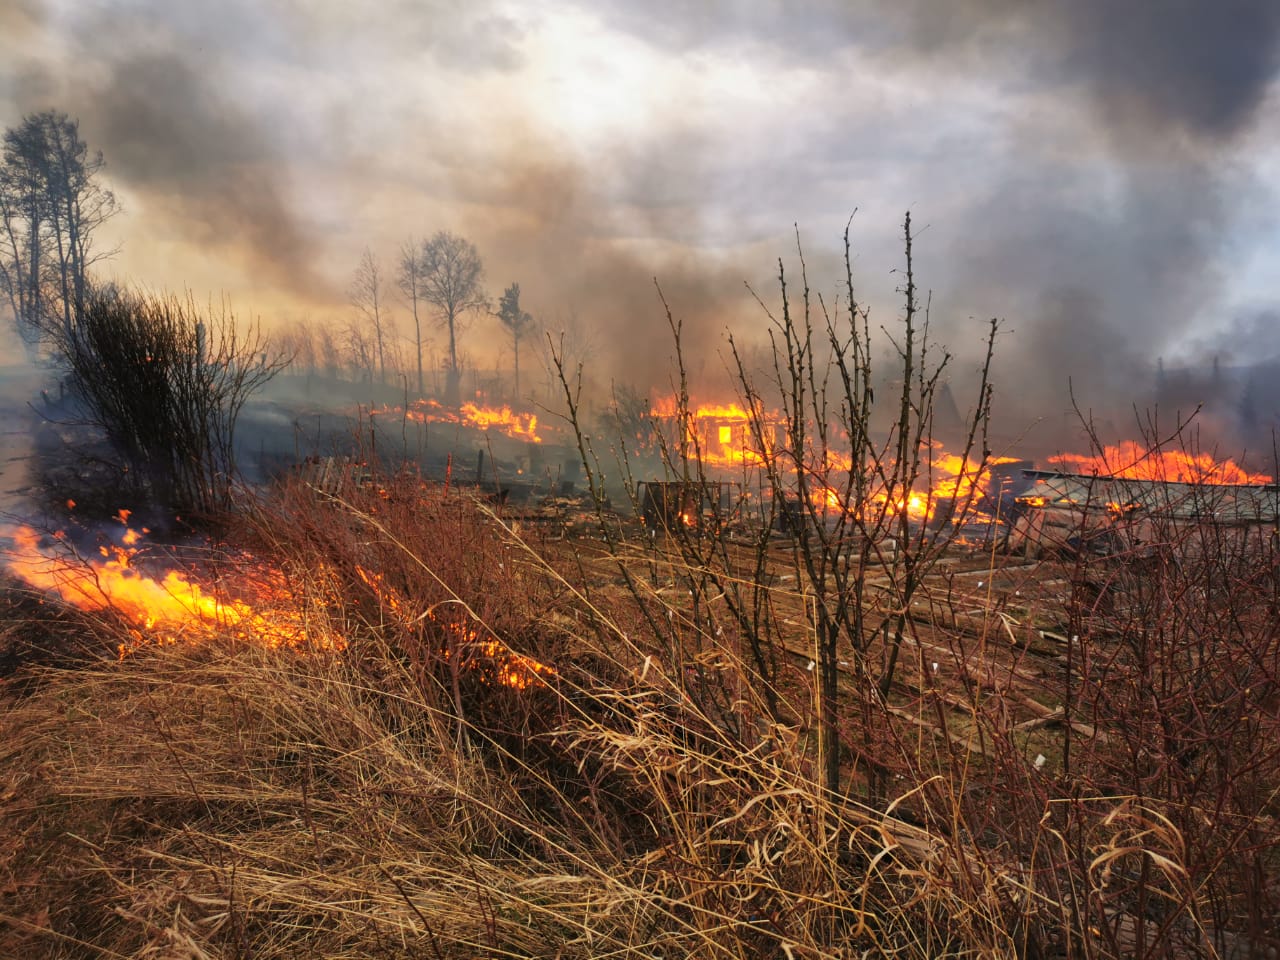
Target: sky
x=1101, y=176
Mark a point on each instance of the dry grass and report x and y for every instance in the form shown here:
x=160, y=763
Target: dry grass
x=392, y=799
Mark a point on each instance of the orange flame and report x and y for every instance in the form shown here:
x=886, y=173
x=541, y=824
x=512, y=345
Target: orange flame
x=1133, y=461
x=163, y=610
x=487, y=655
x=948, y=478
x=726, y=434
x=518, y=426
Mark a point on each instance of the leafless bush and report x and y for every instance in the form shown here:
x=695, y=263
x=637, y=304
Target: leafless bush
x=838, y=469
x=165, y=386
x=1175, y=655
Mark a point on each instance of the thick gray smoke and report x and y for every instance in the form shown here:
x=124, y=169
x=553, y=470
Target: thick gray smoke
x=1098, y=230
x=201, y=160
x=1087, y=204
x=1110, y=276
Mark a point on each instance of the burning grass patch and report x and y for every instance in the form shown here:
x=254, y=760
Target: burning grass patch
x=241, y=800
x=224, y=798
x=407, y=782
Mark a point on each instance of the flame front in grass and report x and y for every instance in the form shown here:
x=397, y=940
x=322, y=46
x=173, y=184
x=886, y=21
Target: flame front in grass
x=477, y=650
x=164, y=608
x=1130, y=460
x=511, y=423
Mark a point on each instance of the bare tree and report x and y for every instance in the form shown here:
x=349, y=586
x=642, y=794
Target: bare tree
x=451, y=276
x=409, y=280
x=297, y=342
x=359, y=352
x=328, y=351
x=515, y=320
x=367, y=296
x=51, y=204
x=568, y=337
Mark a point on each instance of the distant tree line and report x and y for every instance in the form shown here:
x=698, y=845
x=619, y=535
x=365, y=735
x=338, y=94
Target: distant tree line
x=52, y=202
x=440, y=281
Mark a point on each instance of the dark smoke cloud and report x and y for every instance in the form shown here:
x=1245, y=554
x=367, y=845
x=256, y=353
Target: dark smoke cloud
x=1098, y=241
x=193, y=153
x=555, y=232
x=1169, y=66
x=1178, y=65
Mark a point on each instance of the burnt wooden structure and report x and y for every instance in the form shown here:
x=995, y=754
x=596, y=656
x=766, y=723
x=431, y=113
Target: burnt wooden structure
x=672, y=505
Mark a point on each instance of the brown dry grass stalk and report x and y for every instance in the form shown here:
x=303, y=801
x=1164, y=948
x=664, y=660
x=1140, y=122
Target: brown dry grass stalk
x=228, y=800
x=222, y=799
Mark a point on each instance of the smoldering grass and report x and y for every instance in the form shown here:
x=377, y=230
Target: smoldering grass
x=252, y=800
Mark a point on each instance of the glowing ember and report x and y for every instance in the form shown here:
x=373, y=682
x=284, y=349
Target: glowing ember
x=1133, y=461
x=519, y=426
x=163, y=609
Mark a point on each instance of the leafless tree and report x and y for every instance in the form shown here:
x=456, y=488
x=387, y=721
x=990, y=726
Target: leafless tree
x=409, y=280
x=328, y=351
x=51, y=204
x=359, y=352
x=297, y=341
x=568, y=337
x=516, y=320
x=451, y=276
x=367, y=295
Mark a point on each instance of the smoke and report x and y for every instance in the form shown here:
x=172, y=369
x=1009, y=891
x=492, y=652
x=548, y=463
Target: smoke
x=1172, y=68
x=555, y=231
x=199, y=160
x=1104, y=238
x=19, y=20
x=1096, y=226
x=1073, y=163
x=1179, y=66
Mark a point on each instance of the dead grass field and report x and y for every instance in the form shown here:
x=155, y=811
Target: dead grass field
x=1079, y=756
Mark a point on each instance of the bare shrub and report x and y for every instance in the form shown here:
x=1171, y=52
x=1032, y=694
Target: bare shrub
x=165, y=385
x=836, y=468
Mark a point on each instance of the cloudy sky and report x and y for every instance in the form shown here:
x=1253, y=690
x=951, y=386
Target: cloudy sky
x=1101, y=175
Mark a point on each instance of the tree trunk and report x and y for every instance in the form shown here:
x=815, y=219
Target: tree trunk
x=453, y=381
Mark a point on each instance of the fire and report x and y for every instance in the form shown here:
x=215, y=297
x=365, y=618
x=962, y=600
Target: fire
x=171, y=607
x=725, y=434
x=163, y=609
x=518, y=426
x=477, y=650
x=1133, y=461
x=730, y=435
x=949, y=479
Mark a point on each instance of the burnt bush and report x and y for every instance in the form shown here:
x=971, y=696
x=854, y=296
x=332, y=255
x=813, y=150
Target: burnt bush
x=163, y=384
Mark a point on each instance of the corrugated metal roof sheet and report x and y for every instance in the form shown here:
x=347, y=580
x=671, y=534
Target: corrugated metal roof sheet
x=1221, y=503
